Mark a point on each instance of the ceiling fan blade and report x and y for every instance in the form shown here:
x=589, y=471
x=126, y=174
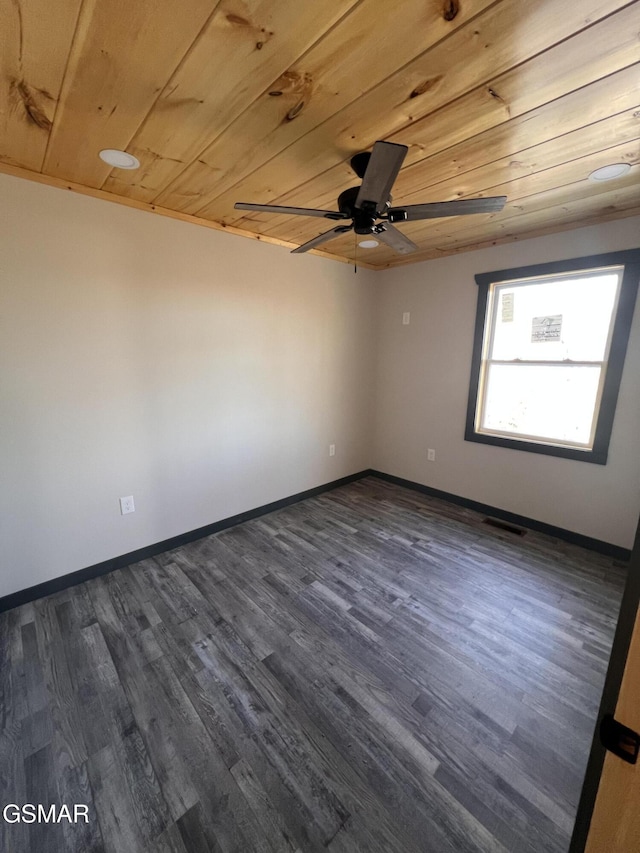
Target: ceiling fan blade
x=384, y=164
x=321, y=238
x=396, y=240
x=459, y=207
x=295, y=211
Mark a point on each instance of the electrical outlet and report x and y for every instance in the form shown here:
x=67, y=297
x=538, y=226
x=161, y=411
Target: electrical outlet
x=127, y=505
x=406, y=318
x=431, y=455
x=332, y=450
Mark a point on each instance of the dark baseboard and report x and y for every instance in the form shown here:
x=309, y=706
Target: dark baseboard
x=597, y=545
x=32, y=593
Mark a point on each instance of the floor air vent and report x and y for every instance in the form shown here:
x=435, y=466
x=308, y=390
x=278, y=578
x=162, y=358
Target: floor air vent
x=503, y=525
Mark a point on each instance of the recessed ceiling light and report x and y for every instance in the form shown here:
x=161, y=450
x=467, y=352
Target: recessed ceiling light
x=610, y=173
x=119, y=159
x=368, y=244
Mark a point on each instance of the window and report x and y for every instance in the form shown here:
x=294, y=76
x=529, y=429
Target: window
x=549, y=349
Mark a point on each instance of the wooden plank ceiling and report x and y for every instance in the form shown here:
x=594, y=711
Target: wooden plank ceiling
x=267, y=100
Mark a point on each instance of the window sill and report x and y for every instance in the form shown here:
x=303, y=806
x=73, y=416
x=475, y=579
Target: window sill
x=596, y=457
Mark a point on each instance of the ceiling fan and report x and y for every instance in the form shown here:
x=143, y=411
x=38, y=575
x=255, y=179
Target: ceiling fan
x=369, y=205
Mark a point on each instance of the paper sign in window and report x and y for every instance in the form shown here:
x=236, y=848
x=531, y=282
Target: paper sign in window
x=507, y=307
x=546, y=328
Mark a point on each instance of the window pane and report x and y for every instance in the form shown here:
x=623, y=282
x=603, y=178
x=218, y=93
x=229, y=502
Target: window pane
x=555, y=403
x=554, y=320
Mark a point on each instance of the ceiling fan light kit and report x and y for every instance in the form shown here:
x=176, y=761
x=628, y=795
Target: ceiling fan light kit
x=369, y=205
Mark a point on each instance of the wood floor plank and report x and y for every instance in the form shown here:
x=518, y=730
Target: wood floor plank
x=170, y=841
x=273, y=826
x=12, y=711
x=280, y=734
x=196, y=835
x=75, y=788
x=70, y=748
x=371, y=669
x=116, y=814
x=42, y=787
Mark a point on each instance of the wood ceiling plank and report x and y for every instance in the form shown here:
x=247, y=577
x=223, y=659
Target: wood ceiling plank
x=339, y=68
x=35, y=39
x=594, y=54
x=602, y=99
x=543, y=96
x=122, y=56
x=583, y=119
x=617, y=204
x=491, y=44
x=526, y=235
x=500, y=176
x=612, y=44
x=234, y=60
x=468, y=230
x=552, y=181
x=570, y=193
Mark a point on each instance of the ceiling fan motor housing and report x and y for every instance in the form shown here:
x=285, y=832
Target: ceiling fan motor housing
x=364, y=217
x=347, y=200
x=363, y=220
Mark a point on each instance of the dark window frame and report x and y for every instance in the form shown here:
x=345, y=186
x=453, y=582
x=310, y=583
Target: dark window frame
x=630, y=259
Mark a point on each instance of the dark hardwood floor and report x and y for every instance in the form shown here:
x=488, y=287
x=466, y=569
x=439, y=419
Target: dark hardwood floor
x=369, y=671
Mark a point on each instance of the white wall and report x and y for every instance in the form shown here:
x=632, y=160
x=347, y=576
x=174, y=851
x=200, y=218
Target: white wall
x=205, y=374
x=423, y=374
